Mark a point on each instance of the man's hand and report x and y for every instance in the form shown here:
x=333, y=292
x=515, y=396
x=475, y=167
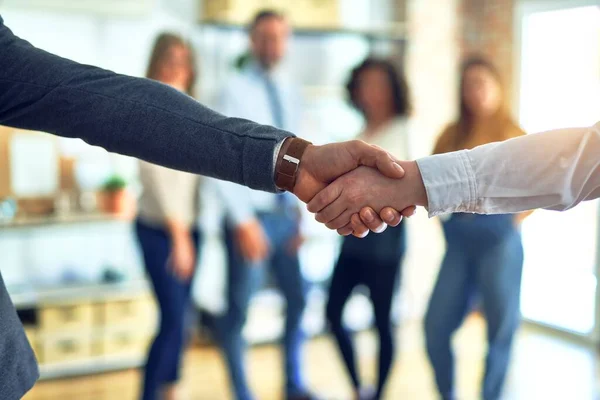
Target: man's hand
x=336, y=204
x=295, y=244
x=252, y=241
x=321, y=165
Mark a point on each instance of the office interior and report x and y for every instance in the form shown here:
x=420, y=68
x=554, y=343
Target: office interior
x=74, y=271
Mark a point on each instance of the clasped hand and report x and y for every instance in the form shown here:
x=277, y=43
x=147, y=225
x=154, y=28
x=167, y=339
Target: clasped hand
x=354, y=187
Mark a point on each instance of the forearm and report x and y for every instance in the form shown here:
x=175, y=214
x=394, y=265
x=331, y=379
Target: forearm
x=554, y=170
x=131, y=116
x=178, y=230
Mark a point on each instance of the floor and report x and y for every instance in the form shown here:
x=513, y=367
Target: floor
x=544, y=367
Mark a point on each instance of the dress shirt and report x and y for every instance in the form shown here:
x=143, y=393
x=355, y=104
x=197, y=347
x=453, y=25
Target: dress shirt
x=392, y=137
x=269, y=98
x=554, y=170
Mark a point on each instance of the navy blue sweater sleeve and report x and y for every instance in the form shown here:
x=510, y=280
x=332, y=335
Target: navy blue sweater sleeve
x=132, y=116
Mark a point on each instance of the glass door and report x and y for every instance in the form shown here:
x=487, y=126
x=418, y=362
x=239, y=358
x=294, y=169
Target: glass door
x=560, y=87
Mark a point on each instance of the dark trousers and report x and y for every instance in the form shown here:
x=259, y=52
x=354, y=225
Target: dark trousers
x=374, y=262
x=484, y=257
x=243, y=281
x=173, y=296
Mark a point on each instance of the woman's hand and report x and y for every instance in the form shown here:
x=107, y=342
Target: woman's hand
x=182, y=260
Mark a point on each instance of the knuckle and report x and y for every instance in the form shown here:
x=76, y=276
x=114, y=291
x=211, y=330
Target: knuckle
x=356, y=198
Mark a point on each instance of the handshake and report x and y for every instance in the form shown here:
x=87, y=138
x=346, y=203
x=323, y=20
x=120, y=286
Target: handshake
x=354, y=187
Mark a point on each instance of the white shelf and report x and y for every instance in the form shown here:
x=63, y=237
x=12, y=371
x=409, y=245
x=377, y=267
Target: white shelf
x=396, y=32
x=89, y=366
x=73, y=294
x=34, y=221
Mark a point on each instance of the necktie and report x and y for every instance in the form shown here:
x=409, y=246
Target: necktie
x=274, y=103
x=285, y=201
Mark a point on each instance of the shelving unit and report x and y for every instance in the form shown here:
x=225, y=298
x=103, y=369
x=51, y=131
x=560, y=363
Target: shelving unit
x=391, y=33
x=36, y=221
x=95, y=365
x=87, y=329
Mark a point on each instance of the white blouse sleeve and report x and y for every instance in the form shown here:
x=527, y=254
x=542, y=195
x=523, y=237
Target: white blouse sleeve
x=553, y=170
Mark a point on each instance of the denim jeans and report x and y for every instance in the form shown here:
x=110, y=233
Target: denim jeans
x=173, y=297
x=484, y=257
x=243, y=280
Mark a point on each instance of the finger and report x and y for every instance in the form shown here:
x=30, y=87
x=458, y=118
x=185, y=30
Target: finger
x=409, y=211
x=390, y=216
x=331, y=212
x=370, y=218
x=388, y=166
x=178, y=272
x=247, y=251
x=261, y=249
x=359, y=229
x=264, y=250
x=257, y=252
x=324, y=198
x=376, y=157
x=340, y=221
x=183, y=274
x=361, y=235
x=384, y=150
x=346, y=230
x=173, y=267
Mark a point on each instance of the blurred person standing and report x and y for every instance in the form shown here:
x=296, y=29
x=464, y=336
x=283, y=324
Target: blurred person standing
x=484, y=253
x=166, y=230
x=380, y=93
x=263, y=230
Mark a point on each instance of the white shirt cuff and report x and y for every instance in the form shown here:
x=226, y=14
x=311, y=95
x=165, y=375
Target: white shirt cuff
x=275, y=155
x=450, y=183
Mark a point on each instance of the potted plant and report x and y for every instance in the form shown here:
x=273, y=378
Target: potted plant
x=114, y=195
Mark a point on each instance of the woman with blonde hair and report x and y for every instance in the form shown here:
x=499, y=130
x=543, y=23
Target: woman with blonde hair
x=165, y=227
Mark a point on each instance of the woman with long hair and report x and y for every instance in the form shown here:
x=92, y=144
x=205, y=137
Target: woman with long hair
x=484, y=253
x=380, y=94
x=165, y=227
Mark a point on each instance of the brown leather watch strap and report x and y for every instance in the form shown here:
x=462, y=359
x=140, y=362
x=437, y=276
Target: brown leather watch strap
x=288, y=161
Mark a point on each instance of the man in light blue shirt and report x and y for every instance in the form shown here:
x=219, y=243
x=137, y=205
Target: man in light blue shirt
x=263, y=230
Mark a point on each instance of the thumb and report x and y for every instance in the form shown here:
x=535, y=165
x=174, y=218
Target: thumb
x=376, y=157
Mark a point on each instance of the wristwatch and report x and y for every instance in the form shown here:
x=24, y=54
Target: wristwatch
x=288, y=162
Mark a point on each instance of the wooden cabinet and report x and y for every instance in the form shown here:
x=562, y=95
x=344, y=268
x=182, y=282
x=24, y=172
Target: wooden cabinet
x=120, y=312
x=79, y=330
x=66, y=317
x=66, y=347
x=125, y=341
x=31, y=333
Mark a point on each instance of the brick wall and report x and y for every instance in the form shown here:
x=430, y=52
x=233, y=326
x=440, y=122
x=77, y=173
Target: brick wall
x=486, y=27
